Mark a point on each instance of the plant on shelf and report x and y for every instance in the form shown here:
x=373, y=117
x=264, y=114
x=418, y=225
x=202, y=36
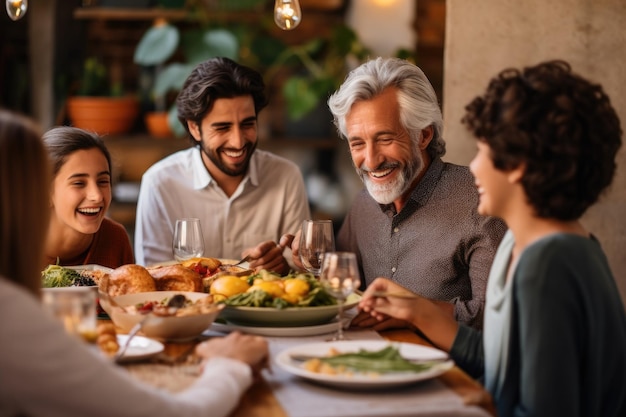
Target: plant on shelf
x=99, y=103
x=318, y=68
x=160, y=43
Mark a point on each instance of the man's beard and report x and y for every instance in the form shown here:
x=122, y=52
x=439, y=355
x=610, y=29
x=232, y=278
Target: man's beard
x=390, y=191
x=215, y=156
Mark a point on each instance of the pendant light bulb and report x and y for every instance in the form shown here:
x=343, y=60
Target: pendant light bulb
x=287, y=14
x=16, y=9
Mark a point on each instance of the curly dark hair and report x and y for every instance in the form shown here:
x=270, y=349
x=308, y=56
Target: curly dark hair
x=213, y=79
x=560, y=125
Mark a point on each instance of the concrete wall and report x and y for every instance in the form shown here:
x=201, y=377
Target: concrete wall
x=485, y=36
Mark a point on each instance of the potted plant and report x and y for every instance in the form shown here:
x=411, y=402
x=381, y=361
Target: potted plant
x=160, y=43
x=100, y=105
x=317, y=68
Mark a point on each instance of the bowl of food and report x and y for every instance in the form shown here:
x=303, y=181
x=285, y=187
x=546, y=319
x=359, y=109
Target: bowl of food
x=265, y=299
x=166, y=315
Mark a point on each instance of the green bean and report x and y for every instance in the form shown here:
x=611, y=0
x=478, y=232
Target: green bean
x=382, y=361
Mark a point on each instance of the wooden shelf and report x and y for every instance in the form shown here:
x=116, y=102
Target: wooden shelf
x=123, y=13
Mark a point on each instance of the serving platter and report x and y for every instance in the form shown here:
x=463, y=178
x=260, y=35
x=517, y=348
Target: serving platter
x=362, y=380
x=286, y=317
x=298, y=331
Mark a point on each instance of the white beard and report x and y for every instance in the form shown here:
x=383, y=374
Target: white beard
x=391, y=190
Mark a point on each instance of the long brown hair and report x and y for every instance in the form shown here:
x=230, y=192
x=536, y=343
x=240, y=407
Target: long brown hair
x=24, y=200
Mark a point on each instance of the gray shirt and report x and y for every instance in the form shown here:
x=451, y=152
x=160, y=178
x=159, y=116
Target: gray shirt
x=437, y=246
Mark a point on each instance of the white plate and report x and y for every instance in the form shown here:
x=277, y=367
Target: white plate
x=140, y=347
x=277, y=331
x=363, y=381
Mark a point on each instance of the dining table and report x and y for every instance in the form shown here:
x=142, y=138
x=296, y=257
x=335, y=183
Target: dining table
x=279, y=394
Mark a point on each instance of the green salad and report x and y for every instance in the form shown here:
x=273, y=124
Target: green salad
x=59, y=276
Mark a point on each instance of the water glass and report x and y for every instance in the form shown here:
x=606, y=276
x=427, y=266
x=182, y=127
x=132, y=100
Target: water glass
x=316, y=238
x=340, y=277
x=188, y=241
x=75, y=307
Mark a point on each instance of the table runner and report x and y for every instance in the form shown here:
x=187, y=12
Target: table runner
x=301, y=398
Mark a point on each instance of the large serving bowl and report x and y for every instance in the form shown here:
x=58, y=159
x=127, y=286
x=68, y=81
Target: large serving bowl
x=157, y=327
x=286, y=317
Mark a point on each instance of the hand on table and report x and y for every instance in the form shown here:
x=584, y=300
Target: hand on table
x=365, y=320
x=269, y=255
x=387, y=308
x=251, y=350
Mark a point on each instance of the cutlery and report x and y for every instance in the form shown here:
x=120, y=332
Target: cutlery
x=136, y=328
x=384, y=294
x=303, y=358
x=247, y=258
x=111, y=300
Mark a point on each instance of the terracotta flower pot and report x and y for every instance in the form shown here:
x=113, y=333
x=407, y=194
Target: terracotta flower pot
x=103, y=115
x=157, y=124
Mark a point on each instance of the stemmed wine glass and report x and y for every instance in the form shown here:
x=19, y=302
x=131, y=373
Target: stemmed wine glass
x=340, y=277
x=316, y=238
x=188, y=241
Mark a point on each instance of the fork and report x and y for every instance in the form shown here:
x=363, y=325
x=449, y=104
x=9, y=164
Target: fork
x=246, y=258
x=136, y=328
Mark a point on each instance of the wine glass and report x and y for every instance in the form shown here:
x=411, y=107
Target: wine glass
x=316, y=238
x=188, y=241
x=340, y=277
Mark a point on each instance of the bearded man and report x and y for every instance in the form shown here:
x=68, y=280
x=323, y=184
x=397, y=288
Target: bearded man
x=416, y=220
x=246, y=199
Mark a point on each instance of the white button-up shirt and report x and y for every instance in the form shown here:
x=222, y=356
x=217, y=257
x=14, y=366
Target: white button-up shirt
x=271, y=200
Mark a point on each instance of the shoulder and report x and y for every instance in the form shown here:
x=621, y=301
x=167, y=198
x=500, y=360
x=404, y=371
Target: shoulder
x=177, y=160
x=268, y=160
x=267, y=167
x=561, y=256
x=111, y=228
x=457, y=174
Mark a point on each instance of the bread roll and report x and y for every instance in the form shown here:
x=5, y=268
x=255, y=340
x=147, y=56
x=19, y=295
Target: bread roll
x=130, y=279
x=176, y=278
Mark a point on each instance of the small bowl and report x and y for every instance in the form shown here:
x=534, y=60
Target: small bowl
x=157, y=327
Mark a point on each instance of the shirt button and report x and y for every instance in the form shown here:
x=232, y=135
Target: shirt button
x=393, y=269
x=396, y=230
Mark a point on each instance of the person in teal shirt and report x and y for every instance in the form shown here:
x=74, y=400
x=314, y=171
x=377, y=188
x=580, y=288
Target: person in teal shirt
x=554, y=337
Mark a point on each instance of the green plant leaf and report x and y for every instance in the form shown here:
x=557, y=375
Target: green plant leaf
x=174, y=123
x=171, y=77
x=222, y=42
x=301, y=98
x=157, y=45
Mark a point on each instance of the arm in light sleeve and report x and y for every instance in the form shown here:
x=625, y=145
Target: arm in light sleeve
x=481, y=252
x=46, y=373
x=153, y=231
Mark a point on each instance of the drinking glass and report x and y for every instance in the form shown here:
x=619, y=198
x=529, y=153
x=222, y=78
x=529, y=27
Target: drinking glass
x=75, y=307
x=340, y=277
x=316, y=238
x=188, y=241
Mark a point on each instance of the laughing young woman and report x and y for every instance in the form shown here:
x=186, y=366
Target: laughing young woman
x=555, y=327
x=79, y=232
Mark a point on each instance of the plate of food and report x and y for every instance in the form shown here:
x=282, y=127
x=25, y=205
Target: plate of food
x=364, y=364
x=266, y=299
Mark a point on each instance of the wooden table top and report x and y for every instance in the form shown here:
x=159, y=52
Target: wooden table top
x=259, y=401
